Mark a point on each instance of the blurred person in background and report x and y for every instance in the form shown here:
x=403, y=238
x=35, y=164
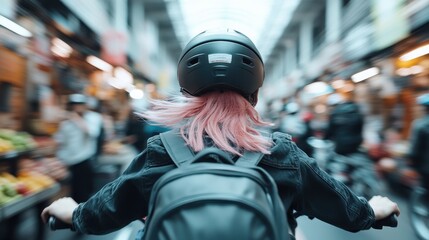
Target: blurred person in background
x=297, y=124
x=274, y=113
x=345, y=124
x=108, y=122
x=107, y=131
x=134, y=131
x=77, y=139
x=138, y=129
x=419, y=143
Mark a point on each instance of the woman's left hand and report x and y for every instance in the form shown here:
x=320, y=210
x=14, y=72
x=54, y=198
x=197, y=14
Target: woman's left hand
x=62, y=209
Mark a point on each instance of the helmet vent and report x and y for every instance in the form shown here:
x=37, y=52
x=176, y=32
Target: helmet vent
x=193, y=61
x=248, y=61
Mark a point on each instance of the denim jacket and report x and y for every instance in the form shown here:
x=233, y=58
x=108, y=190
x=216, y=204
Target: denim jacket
x=303, y=187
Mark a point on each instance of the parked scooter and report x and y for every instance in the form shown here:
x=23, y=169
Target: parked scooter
x=355, y=170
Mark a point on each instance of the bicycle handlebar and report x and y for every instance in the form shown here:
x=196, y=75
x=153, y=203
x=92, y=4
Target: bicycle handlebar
x=389, y=221
x=56, y=224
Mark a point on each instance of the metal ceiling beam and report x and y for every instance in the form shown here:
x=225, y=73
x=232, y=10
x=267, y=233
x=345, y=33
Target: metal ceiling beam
x=305, y=9
x=157, y=11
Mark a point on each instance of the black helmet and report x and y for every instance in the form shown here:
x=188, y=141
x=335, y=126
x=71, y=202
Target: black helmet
x=221, y=60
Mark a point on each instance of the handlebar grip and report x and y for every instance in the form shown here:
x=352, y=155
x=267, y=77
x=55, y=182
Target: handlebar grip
x=56, y=224
x=389, y=221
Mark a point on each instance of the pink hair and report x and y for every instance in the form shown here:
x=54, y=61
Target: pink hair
x=226, y=117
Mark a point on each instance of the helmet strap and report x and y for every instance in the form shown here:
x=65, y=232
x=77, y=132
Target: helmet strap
x=253, y=98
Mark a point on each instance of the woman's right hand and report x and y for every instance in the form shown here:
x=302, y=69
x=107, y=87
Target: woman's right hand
x=62, y=209
x=383, y=207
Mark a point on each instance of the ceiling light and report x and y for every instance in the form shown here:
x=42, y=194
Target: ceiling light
x=61, y=44
x=60, y=52
x=121, y=79
x=416, y=69
x=365, y=74
x=124, y=75
x=129, y=88
x=12, y=26
x=60, y=48
x=136, y=93
x=416, y=53
x=98, y=63
x=403, y=72
x=318, y=88
x=114, y=82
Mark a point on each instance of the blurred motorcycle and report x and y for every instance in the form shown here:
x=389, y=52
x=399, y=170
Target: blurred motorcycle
x=355, y=170
x=419, y=212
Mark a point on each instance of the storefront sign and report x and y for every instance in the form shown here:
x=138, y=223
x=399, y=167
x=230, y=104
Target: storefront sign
x=92, y=13
x=358, y=42
x=12, y=67
x=114, y=47
x=390, y=22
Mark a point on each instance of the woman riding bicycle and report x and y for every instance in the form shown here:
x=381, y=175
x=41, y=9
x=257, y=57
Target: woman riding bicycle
x=220, y=74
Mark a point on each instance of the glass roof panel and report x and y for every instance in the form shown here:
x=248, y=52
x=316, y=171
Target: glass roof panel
x=263, y=21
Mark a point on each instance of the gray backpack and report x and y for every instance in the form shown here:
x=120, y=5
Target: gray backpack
x=209, y=197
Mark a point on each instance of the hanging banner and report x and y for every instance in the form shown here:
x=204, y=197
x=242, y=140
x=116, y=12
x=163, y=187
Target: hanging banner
x=114, y=47
x=390, y=21
x=7, y=8
x=93, y=13
x=358, y=42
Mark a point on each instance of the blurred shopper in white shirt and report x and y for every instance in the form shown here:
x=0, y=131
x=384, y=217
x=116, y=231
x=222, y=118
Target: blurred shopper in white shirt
x=77, y=145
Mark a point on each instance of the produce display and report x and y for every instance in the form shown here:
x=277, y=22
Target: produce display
x=8, y=192
x=26, y=183
x=27, y=175
x=5, y=146
x=15, y=141
x=35, y=181
x=49, y=166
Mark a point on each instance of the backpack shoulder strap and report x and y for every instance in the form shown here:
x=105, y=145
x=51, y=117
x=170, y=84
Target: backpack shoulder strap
x=252, y=158
x=249, y=159
x=176, y=147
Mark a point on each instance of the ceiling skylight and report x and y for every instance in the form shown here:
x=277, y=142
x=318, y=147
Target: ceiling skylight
x=263, y=21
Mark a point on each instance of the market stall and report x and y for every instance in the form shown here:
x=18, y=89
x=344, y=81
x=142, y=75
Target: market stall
x=29, y=178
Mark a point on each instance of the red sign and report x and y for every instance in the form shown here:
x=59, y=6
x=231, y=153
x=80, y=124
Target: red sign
x=114, y=47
